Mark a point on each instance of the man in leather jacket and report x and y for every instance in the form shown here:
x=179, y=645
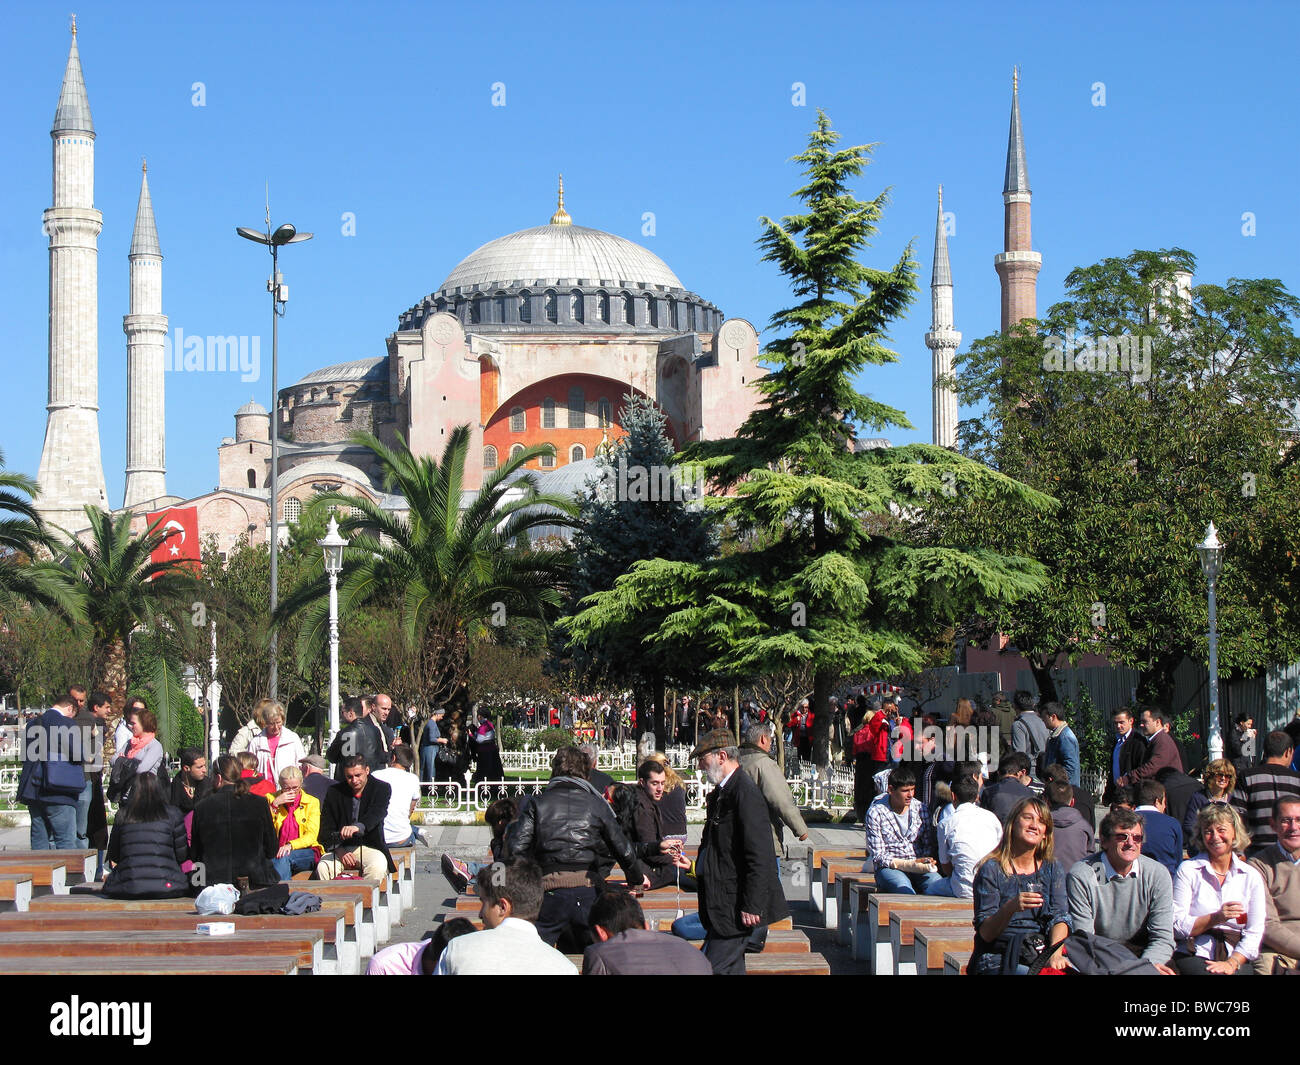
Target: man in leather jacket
x=363, y=736
x=570, y=831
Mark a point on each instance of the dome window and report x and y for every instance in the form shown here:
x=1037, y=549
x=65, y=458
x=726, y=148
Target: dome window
x=518, y=422
x=552, y=307
x=548, y=413
x=673, y=318
x=577, y=312
x=525, y=306
x=577, y=409
x=652, y=311
x=577, y=453
x=489, y=458
x=252, y=478
x=476, y=310
x=499, y=307
x=629, y=309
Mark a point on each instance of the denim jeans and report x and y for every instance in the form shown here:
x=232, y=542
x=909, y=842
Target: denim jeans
x=296, y=861
x=83, y=815
x=54, y=826
x=896, y=882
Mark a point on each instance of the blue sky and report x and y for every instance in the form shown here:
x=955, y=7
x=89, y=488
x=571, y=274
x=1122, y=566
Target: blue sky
x=683, y=110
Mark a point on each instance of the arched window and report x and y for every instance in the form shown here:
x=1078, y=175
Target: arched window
x=603, y=304
x=518, y=423
x=548, y=460
x=440, y=306
x=552, y=308
x=652, y=311
x=548, y=413
x=629, y=309
x=476, y=310
x=516, y=449
x=292, y=509
x=525, y=306
x=603, y=413
x=577, y=310
x=577, y=409
x=489, y=458
x=673, y=318
x=577, y=453
x=252, y=478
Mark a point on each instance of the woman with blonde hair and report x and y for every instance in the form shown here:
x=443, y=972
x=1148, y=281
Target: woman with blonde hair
x=275, y=747
x=1219, y=900
x=1219, y=778
x=1021, y=909
x=296, y=818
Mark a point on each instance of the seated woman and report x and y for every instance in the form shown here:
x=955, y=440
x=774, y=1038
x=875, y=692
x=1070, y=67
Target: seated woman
x=249, y=770
x=1220, y=778
x=147, y=846
x=274, y=745
x=1020, y=903
x=232, y=834
x=296, y=817
x=1219, y=900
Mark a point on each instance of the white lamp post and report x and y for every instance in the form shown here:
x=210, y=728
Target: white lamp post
x=214, y=705
x=1211, y=552
x=333, y=545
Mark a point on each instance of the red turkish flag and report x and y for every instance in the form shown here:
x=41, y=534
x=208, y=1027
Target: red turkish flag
x=182, y=545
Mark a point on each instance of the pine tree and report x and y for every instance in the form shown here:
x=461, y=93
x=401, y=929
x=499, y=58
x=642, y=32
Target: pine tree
x=829, y=576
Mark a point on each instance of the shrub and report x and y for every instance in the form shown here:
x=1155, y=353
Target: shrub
x=553, y=739
x=512, y=739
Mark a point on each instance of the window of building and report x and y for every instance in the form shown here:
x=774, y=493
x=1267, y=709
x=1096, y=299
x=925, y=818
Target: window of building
x=489, y=458
x=552, y=307
x=548, y=413
x=499, y=307
x=629, y=309
x=252, y=478
x=577, y=310
x=652, y=311
x=548, y=460
x=673, y=318
x=525, y=306
x=603, y=413
x=577, y=453
x=577, y=409
x=518, y=423
x=603, y=304
x=476, y=310
x=516, y=449
x=292, y=509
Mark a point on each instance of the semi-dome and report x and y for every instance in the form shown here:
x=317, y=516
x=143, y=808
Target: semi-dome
x=561, y=252
x=375, y=369
x=251, y=407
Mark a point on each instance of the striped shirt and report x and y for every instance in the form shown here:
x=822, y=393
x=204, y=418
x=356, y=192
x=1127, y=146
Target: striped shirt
x=1257, y=789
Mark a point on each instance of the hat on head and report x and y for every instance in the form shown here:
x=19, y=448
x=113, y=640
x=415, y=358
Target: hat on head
x=314, y=760
x=875, y=703
x=714, y=740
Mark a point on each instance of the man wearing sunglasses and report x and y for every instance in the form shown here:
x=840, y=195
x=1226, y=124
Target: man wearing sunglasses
x=1123, y=895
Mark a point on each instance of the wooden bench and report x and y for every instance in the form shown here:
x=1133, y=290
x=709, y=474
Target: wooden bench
x=404, y=859
x=156, y=965
x=766, y=964
x=15, y=892
x=903, y=924
x=879, y=949
x=930, y=944
x=372, y=925
x=955, y=962
x=47, y=877
x=845, y=884
x=80, y=864
x=823, y=899
x=339, y=956
x=306, y=944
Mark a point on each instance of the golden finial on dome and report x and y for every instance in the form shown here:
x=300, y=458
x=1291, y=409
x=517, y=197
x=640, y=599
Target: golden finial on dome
x=144, y=165
x=74, y=25
x=561, y=216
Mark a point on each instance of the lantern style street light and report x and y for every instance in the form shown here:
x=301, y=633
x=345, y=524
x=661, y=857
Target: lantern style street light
x=1211, y=552
x=333, y=545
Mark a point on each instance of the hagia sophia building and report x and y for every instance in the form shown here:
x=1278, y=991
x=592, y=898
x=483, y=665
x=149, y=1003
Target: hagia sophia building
x=535, y=337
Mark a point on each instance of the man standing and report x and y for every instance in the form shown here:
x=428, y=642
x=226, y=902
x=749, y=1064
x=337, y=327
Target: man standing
x=1028, y=733
x=1239, y=743
x=736, y=869
x=362, y=737
x=757, y=762
x=91, y=729
x=1062, y=744
x=1261, y=786
x=383, y=705
x=1124, y=895
x=431, y=741
x=1279, y=865
x=1161, y=750
x=1005, y=714
x=352, y=825
x=53, y=777
x=965, y=839
x=315, y=781
x=900, y=843
x=1127, y=753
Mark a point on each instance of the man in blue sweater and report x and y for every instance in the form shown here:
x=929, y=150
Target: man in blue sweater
x=1164, y=835
x=1062, y=744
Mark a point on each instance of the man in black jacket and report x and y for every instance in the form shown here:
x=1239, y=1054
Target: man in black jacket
x=736, y=869
x=352, y=825
x=570, y=831
x=1012, y=785
x=364, y=737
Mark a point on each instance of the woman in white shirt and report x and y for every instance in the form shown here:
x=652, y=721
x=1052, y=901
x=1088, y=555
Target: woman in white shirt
x=1219, y=900
x=274, y=746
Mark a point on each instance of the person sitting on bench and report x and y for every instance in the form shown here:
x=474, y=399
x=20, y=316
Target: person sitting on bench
x=352, y=825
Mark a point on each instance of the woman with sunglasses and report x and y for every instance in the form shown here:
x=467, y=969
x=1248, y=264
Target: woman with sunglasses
x=1220, y=778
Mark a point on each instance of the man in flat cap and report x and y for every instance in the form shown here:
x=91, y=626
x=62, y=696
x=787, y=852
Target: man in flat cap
x=739, y=889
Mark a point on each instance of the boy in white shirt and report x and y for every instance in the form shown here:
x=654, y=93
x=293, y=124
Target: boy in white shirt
x=399, y=776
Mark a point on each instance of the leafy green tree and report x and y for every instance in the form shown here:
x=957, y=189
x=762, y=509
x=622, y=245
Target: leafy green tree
x=26, y=575
x=828, y=576
x=1148, y=414
x=620, y=527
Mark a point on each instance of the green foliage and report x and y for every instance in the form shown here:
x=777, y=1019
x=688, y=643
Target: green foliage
x=553, y=739
x=26, y=579
x=1093, y=730
x=512, y=739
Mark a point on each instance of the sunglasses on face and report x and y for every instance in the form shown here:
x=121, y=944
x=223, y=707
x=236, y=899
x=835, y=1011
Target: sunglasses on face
x=1128, y=837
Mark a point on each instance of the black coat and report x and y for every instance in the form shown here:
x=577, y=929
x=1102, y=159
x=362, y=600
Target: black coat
x=364, y=737
x=147, y=859
x=1001, y=798
x=736, y=868
x=1131, y=755
x=569, y=827
x=233, y=836
x=336, y=814
x=181, y=800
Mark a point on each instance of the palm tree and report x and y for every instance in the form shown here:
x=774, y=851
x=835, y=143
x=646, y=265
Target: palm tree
x=26, y=575
x=449, y=571
x=121, y=593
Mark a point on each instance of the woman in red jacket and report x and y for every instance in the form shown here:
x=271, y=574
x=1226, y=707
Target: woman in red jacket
x=870, y=755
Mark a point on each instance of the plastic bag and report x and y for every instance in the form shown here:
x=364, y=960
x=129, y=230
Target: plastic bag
x=217, y=898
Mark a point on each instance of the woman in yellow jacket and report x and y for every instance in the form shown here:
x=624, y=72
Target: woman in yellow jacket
x=296, y=816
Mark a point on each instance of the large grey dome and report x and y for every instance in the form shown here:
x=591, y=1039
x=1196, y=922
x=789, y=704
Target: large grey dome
x=561, y=253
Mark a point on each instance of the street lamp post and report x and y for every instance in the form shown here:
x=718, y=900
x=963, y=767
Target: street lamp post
x=285, y=234
x=1211, y=552
x=214, y=705
x=333, y=545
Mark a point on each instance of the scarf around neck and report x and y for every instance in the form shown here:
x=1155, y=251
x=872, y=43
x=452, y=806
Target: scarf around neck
x=139, y=743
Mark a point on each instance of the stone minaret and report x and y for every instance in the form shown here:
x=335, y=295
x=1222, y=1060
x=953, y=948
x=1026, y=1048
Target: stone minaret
x=71, y=474
x=146, y=329
x=1017, y=265
x=942, y=339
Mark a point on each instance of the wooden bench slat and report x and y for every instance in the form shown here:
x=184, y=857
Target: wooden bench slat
x=306, y=944
x=155, y=965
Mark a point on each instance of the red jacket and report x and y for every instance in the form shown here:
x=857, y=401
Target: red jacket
x=872, y=738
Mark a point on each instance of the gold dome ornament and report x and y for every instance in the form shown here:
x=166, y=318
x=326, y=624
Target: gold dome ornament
x=561, y=216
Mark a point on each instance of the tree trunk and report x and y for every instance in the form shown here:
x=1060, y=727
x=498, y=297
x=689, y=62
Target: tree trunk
x=1042, y=670
x=821, y=708
x=112, y=678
